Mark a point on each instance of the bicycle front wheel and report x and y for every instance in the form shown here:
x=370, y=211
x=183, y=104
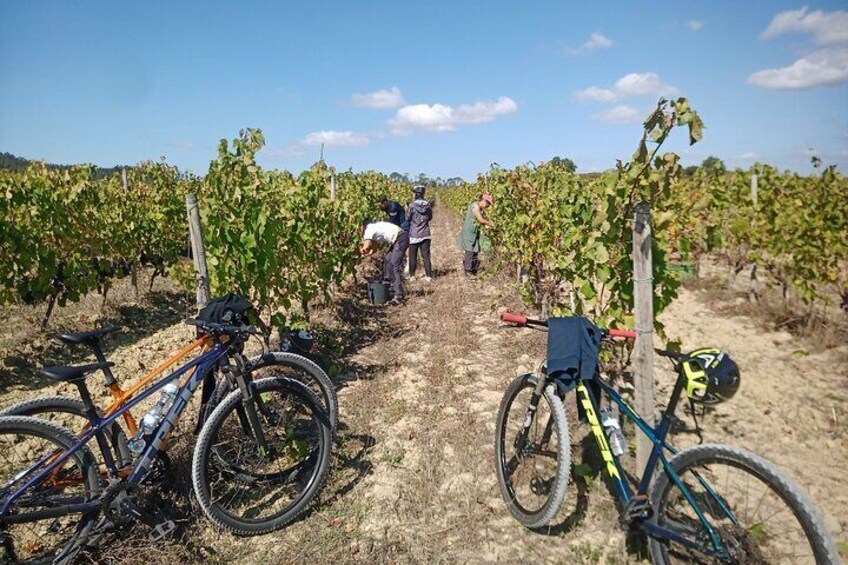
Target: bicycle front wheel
x=299, y=368
x=532, y=452
x=286, y=365
x=28, y=534
x=249, y=490
x=757, y=514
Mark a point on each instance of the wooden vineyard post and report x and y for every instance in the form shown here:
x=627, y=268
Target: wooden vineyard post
x=134, y=267
x=333, y=187
x=198, y=252
x=643, y=299
x=754, y=184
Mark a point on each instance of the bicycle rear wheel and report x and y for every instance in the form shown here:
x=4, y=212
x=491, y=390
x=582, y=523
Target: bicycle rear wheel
x=26, y=442
x=534, y=466
x=70, y=413
x=757, y=513
x=249, y=492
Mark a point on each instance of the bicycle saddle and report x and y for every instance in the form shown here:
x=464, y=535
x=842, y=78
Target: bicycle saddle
x=70, y=374
x=87, y=338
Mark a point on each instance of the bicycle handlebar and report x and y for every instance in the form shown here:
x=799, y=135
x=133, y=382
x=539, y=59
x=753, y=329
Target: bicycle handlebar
x=522, y=321
x=216, y=328
x=628, y=334
x=516, y=319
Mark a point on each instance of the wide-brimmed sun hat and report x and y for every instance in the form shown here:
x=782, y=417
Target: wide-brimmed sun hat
x=488, y=198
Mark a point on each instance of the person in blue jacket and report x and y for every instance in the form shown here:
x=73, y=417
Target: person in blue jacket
x=395, y=212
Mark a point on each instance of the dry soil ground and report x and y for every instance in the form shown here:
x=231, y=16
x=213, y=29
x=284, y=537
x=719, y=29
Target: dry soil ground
x=414, y=481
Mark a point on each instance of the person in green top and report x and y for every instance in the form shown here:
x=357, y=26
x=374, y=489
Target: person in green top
x=470, y=235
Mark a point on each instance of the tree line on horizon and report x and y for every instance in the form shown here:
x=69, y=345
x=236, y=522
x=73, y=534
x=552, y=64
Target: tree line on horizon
x=9, y=161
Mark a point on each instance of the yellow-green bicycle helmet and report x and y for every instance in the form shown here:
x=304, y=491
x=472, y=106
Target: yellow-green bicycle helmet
x=711, y=376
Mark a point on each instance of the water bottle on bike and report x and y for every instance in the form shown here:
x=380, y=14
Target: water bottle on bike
x=612, y=427
x=152, y=419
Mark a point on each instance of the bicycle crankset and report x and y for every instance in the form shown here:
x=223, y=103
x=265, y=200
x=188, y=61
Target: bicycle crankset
x=639, y=508
x=123, y=503
x=119, y=502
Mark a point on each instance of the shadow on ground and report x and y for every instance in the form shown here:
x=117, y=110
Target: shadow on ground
x=34, y=349
x=171, y=494
x=357, y=325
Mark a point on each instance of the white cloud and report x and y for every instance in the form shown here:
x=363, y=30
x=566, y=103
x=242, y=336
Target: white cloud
x=597, y=94
x=596, y=41
x=435, y=117
x=633, y=84
x=481, y=112
x=440, y=117
x=823, y=67
x=695, y=25
x=820, y=68
x=380, y=99
x=641, y=84
x=620, y=114
x=827, y=28
x=335, y=139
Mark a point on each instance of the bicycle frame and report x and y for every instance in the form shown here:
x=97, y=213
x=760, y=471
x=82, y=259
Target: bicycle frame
x=658, y=436
x=120, y=395
x=201, y=366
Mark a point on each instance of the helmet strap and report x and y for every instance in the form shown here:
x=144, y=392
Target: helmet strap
x=695, y=419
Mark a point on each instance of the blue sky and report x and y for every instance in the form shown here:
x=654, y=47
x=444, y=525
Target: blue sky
x=445, y=88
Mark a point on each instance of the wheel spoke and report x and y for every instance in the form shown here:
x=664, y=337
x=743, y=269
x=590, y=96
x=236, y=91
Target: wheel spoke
x=769, y=530
x=532, y=472
x=25, y=443
x=248, y=487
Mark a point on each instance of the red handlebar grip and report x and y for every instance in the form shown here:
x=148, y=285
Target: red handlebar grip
x=511, y=318
x=630, y=334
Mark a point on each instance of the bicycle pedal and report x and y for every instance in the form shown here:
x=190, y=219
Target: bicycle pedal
x=639, y=508
x=162, y=530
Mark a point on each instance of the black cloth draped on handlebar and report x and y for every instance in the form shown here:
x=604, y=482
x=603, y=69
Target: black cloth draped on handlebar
x=573, y=345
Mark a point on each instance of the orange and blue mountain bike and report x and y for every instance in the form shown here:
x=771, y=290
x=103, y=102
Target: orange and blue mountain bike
x=259, y=459
x=711, y=503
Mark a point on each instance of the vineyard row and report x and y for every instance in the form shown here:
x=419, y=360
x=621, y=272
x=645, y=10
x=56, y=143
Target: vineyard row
x=276, y=237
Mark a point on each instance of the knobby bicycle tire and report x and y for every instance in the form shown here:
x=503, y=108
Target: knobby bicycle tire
x=307, y=372
x=205, y=456
x=533, y=518
x=20, y=427
x=742, y=537
x=62, y=405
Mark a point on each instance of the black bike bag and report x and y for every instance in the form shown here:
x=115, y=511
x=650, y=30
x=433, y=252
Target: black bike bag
x=228, y=309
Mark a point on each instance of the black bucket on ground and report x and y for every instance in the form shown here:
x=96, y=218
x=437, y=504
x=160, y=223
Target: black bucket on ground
x=378, y=292
x=300, y=342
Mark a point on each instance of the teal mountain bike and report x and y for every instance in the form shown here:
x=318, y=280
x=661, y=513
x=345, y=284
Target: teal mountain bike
x=711, y=503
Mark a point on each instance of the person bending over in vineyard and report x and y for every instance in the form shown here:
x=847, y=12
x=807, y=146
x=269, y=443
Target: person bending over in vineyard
x=470, y=236
x=385, y=234
x=395, y=213
x=419, y=213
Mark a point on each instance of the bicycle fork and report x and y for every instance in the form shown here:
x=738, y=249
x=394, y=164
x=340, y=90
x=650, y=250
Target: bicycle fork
x=530, y=416
x=248, y=413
